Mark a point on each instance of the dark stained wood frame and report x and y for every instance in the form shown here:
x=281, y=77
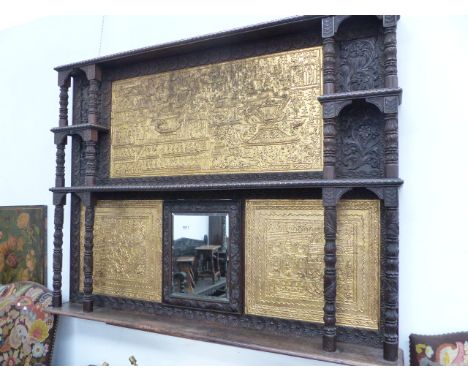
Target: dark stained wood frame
x=234, y=276
x=376, y=85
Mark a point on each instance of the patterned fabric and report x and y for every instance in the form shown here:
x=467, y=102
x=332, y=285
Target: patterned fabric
x=26, y=331
x=439, y=350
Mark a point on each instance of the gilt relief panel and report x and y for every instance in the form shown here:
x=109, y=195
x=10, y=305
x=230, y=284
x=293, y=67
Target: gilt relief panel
x=284, y=261
x=250, y=115
x=127, y=257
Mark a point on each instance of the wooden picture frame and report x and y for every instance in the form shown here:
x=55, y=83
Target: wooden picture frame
x=234, y=272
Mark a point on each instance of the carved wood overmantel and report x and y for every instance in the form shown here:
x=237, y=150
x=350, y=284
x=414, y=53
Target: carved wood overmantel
x=290, y=128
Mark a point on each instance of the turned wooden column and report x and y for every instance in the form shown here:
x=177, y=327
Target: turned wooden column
x=391, y=144
x=329, y=202
x=329, y=280
x=329, y=76
x=391, y=277
x=59, y=202
x=59, y=199
x=329, y=65
x=93, y=101
x=390, y=51
x=90, y=160
x=58, y=253
x=329, y=146
x=63, y=104
x=88, y=256
x=90, y=139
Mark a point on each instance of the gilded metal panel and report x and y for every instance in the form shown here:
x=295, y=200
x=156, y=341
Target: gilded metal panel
x=252, y=115
x=127, y=258
x=284, y=261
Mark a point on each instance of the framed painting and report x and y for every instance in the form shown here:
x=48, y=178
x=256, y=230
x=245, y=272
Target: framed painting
x=23, y=244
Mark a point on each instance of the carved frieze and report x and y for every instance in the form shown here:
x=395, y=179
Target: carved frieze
x=284, y=261
x=127, y=258
x=250, y=115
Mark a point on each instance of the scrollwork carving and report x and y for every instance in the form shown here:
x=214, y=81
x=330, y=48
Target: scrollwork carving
x=359, y=65
x=360, y=143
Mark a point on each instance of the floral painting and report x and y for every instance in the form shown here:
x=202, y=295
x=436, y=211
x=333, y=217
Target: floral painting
x=23, y=244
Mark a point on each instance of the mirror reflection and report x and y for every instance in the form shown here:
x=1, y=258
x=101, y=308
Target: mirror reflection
x=200, y=255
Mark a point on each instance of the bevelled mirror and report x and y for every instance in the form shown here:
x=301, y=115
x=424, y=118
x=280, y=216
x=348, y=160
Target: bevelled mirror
x=202, y=263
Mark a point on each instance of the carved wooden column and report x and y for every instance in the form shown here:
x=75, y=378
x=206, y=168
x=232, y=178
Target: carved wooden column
x=88, y=255
x=93, y=101
x=90, y=159
x=391, y=276
x=90, y=138
x=390, y=51
x=329, y=202
x=329, y=120
x=58, y=252
x=60, y=199
x=391, y=103
x=391, y=144
x=329, y=144
x=329, y=280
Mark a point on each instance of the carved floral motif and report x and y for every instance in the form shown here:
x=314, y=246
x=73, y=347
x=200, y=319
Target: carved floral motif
x=359, y=66
x=359, y=152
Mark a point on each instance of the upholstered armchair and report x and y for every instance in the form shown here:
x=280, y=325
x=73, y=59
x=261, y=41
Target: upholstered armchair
x=27, y=332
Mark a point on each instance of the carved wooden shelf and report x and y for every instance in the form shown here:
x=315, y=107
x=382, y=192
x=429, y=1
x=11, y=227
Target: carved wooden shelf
x=361, y=94
x=71, y=129
x=305, y=347
x=187, y=186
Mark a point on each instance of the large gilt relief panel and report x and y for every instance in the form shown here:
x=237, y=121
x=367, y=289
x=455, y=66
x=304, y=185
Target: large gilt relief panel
x=284, y=261
x=252, y=115
x=127, y=257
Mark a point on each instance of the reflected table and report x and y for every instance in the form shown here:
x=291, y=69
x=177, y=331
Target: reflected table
x=208, y=258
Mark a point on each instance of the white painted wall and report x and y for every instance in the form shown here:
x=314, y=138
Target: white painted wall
x=190, y=226
x=433, y=132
